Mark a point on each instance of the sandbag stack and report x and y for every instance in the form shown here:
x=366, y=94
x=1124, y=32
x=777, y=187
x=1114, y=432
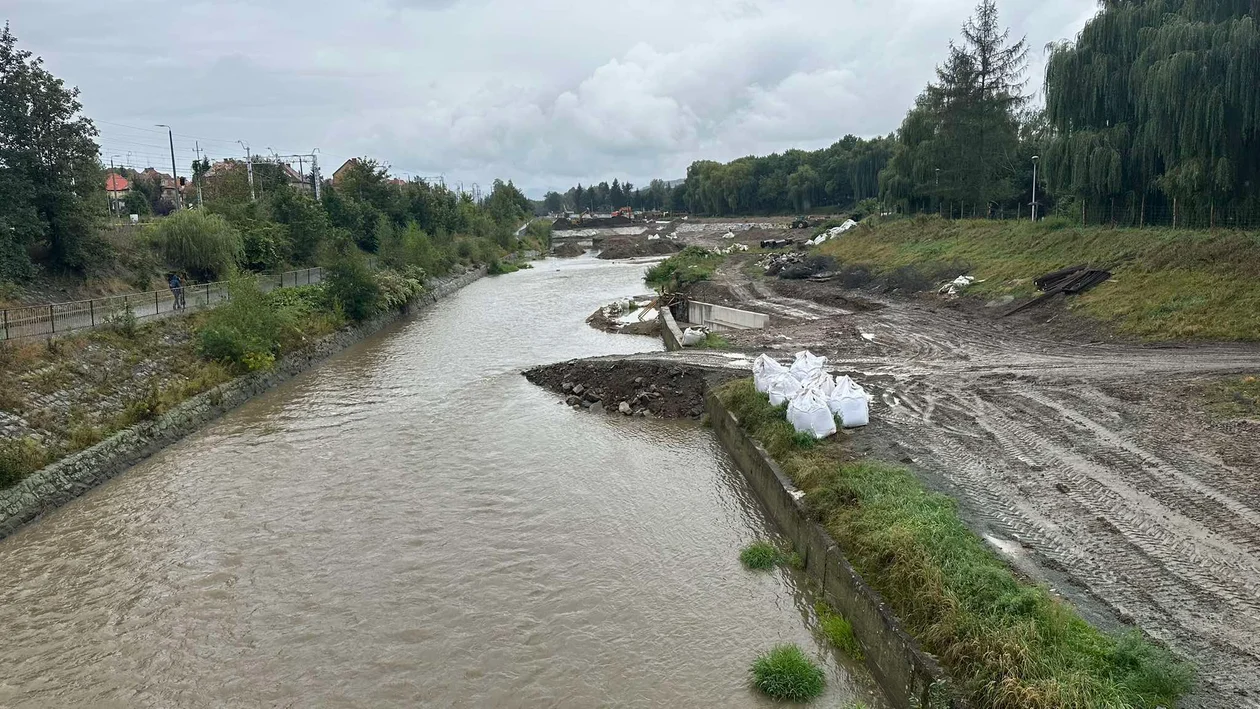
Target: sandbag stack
x=814, y=398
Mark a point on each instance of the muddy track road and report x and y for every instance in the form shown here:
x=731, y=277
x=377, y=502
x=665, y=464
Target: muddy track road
x=1091, y=467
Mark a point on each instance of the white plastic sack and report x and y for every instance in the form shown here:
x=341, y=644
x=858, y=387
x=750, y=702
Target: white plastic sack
x=850, y=402
x=809, y=413
x=765, y=369
x=807, y=365
x=822, y=383
x=729, y=235
x=691, y=336
x=783, y=387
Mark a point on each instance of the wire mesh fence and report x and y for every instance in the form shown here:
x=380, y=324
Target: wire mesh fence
x=56, y=318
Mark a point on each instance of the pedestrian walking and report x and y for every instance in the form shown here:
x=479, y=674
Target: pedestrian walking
x=177, y=291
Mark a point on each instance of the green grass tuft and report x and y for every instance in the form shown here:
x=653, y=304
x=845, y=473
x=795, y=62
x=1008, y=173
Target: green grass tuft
x=760, y=556
x=785, y=673
x=839, y=631
x=1235, y=398
x=691, y=265
x=1006, y=643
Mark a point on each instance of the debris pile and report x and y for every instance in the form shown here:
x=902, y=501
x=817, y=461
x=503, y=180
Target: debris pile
x=632, y=316
x=776, y=243
x=731, y=249
x=832, y=233
x=814, y=398
x=955, y=287
x=774, y=264
x=1070, y=281
x=626, y=387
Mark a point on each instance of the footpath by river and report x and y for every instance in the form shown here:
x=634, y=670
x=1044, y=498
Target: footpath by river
x=414, y=524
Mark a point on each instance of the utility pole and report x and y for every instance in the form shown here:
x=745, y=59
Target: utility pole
x=113, y=177
x=179, y=201
x=1034, y=201
x=198, y=176
x=315, y=171
x=249, y=168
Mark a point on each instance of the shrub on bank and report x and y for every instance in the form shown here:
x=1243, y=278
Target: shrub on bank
x=1006, y=643
x=18, y=459
x=203, y=245
x=351, y=287
x=786, y=674
x=246, y=331
x=691, y=265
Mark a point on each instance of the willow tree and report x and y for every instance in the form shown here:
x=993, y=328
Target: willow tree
x=1159, y=100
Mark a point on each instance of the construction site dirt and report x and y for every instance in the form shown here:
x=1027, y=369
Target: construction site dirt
x=1087, y=461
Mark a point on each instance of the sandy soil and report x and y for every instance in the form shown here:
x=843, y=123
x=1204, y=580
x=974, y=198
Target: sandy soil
x=1088, y=462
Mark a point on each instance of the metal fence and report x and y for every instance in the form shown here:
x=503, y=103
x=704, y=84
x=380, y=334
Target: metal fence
x=57, y=318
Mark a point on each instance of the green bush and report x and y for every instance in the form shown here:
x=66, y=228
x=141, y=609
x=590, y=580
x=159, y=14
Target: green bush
x=691, y=265
x=204, y=245
x=245, y=332
x=19, y=458
x=786, y=674
x=263, y=245
x=397, y=289
x=760, y=556
x=351, y=287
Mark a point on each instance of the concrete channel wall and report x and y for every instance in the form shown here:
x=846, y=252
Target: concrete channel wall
x=670, y=331
x=908, y=676
x=74, y=475
x=720, y=317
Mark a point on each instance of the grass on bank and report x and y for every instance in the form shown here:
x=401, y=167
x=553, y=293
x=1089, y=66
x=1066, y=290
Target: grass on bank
x=1168, y=284
x=1008, y=644
x=839, y=631
x=787, y=674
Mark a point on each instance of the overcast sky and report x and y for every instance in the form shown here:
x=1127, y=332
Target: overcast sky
x=545, y=92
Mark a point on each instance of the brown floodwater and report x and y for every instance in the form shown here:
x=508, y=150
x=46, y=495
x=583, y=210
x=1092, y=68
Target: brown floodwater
x=414, y=524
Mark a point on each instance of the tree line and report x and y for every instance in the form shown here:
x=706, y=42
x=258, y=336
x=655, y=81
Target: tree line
x=53, y=203
x=1153, y=108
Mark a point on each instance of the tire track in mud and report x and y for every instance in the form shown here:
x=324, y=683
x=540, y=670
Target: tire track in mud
x=1101, y=527
x=1094, y=458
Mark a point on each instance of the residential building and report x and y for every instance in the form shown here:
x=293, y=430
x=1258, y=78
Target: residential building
x=340, y=174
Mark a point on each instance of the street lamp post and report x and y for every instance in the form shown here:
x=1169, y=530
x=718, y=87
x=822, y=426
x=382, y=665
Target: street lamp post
x=940, y=208
x=179, y=202
x=1034, y=191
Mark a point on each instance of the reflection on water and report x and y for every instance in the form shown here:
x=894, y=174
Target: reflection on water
x=412, y=524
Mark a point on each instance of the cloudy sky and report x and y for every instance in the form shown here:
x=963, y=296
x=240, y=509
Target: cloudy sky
x=545, y=92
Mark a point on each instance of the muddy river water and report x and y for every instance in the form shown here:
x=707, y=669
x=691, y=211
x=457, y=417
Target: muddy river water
x=414, y=524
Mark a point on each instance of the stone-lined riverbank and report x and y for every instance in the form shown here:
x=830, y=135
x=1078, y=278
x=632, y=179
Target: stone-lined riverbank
x=70, y=477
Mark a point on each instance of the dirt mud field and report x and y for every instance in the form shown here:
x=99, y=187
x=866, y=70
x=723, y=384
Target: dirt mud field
x=1090, y=463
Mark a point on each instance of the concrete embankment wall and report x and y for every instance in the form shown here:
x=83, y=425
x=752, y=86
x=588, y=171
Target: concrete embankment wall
x=70, y=477
x=909, y=677
x=670, y=331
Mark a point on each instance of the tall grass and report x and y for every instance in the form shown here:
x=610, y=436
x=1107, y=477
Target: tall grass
x=1168, y=284
x=785, y=673
x=1008, y=644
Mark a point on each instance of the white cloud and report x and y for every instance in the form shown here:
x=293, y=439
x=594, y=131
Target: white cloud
x=547, y=92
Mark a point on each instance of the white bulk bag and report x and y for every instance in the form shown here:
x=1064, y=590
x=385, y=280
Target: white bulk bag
x=783, y=387
x=822, y=383
x=850, y=403
x=808, y=413
x=692, y=336
x=764, y=370
x=807, y=365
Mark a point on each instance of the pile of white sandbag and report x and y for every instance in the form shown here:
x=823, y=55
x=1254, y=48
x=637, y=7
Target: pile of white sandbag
x=832, y=233
x=814, y=398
